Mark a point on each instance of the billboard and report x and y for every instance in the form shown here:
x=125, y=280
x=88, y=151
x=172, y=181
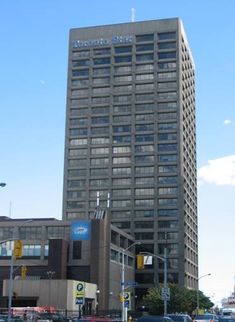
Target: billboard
x=81, y=230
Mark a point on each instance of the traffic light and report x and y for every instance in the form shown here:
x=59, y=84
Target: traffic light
x=18, y=248
x=127, y=300
x=23, y=272
x=140, y=261
x=121, y=298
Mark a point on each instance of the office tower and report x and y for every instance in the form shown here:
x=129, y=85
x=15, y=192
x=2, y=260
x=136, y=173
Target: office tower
x=130, y=132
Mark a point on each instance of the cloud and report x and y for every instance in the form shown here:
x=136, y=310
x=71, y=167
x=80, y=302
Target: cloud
x=219, y=172
x=42, y=82
x=227, y=122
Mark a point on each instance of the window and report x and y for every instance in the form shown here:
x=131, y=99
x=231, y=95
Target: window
x=168, y=191
x=144, y=192
x=30, y=232
x=121, y=192
x=144, y=138
x=144, y=202
x=144, y=87
x=144, y=181
x=77, y=152
x=77, y=249
x=101, y=61
x=146, y=47
x=79, y=121
x=125, y=88
x=122, y=69
x=168, y=224
x=81, y=53
x=100, y=90
x=144, y=127
x=101, y=71
x=99, y=172
x=80, y=82
x=99, y=182
x=121, y=203
x=122, y=149
x=167, y=147
x=75, y=194
x=101, y=140
x=171, y=249
x=168, y=235
x=77, y=173
x=145, y=67
x=144, y=170
x=167, y=136
x=80, y=72
x=144, y=224
x=167, y=116
x=81, y=63
x=122, y=119
x=167, y=45
x=143, y=159
x=168, y=212
x=166, y=35
x=100, y=100
x=121, y=128
x=114, y=255
x=167, y=169
x=99, y=130
x=122, y=225
x=78, y=132
x=167, y=65
x=77, y=162
x=101, y=80
x=127, y=78
x=167, y=126
x=122, y=139
x=142, y=38
x=147, y=107
x=100, y=161
x=144, y=213
x=100, y=110
x=167, y=85
x=167, y=180
x=100, y=120
x=122, y=108
x=76, y=183
x=120, y=214
x=31, y=250
x=122, y=99
x=121, y=160
x=75, y=142
x=80, y=111
x=144, y=97
x=99, y=150
x=167, y=55
x=167, y=105
x=167, y=95
x=143, y=77
x=121, y=182
x=102, y=51
x=167, y=157
x=123, y=59
x=121, y=171
x=144, y=57
x=144, y=148
x=167, y=201
x=123, y=49
x=79, y=92
x=144, y=236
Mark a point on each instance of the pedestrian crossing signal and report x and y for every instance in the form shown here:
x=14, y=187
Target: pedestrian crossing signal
x=140, y=261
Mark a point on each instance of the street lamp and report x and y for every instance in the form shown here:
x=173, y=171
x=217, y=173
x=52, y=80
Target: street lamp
x=2, y=184
x=11, y=274
x=166, y=292
x=198, y=290
x=124, y=317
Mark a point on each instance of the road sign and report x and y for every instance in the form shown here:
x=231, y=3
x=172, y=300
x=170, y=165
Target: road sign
x=130, y=283
x=79, y=300
x=165, y=294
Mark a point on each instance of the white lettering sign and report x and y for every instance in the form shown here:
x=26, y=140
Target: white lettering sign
x=102, y=42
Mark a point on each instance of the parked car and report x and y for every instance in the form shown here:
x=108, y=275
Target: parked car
x=206, y=318
x=180, y=317
x=154, y=318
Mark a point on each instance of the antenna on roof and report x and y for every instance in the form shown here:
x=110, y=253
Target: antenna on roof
x=132, y=14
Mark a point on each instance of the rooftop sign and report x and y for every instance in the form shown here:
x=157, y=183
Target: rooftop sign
x=102, y=42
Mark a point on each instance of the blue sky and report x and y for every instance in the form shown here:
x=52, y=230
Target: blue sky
x=33, y=75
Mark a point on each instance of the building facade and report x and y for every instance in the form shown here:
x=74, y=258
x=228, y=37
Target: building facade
x=57, y=258
x=130, y=134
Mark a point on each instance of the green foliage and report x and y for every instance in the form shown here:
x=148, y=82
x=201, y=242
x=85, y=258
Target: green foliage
x=181, y=300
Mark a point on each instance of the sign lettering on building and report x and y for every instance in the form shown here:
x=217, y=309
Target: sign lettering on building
x=102, y=41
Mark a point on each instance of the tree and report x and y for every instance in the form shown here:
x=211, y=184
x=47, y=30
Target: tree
x=181, y=300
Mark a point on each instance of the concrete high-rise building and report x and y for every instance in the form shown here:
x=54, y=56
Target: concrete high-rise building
x=130, y=133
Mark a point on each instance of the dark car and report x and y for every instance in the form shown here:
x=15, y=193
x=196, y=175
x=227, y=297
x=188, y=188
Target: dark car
x=206, y=318
x=226, y=319
x=154, y=318
x=180, y=317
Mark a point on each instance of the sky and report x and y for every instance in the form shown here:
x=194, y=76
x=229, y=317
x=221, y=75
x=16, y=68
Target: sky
x=33, y=76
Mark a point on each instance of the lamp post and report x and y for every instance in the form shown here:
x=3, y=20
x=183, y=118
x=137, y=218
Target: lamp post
x=198, y=290
x=11, y=275
x=164, y=259
x=2, y=184
x=124, y=317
